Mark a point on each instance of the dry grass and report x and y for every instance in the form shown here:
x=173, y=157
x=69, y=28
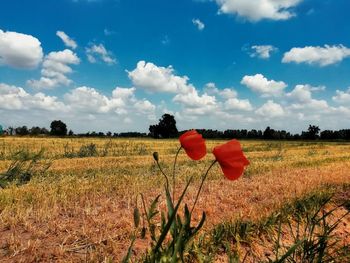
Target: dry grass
x=81, y=210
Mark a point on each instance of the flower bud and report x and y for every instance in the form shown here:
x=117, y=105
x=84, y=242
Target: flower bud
x=156, y=156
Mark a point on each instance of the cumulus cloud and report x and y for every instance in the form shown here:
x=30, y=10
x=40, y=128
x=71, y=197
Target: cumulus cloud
x=69, y=42
x=194, y=100
x=124, y=93
x=210, y=107
x=144, y=106
x=19, y=50
x=321, y=56
x=301, y=93
x=301, y=98
x=227, y=93
x=342, y=97
x=87, y=99
x=99, y=52
x=199, y=24
x=16, y=98
x=237, y=104
x=258, y=83
x=79, y=107
x=154, y=78
x=256, y=10
x=263, y=51
x=54, y=70
x=270, y=110
x=122, y=102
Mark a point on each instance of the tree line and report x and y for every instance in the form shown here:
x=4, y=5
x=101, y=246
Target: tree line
x=166, y=128
x=59, y=128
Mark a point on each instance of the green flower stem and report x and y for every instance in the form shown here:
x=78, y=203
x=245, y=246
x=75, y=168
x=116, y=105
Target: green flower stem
x=201, y=186
x=172, y=218
x=166, y=177
x=174, y=181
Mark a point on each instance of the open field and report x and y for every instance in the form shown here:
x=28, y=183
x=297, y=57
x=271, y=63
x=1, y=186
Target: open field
x=81, y=208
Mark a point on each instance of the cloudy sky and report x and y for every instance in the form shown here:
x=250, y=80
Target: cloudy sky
x=119, y=65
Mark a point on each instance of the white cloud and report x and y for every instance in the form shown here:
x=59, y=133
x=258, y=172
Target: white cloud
x=194, y=100
x=19, y=50
x=16, y=98
x=301, y=93
x=230, y=96
x=122, y=102
x=227, y=93
x=318, y=88
x=152, y=78
x=322, y=56
x=258, y=83
x=67, y=40
x=270, y=110
x=54, y=70
x=313, y=104
x=144, y=106
x=11, y=97
x=237, y=104
x=342, y=97
x=199, y=24
x=124, y=93
x=301, y=98
x=263, y=51
x=211, y=88
x=255, y=10
x=87, y=99
x=95, y=52
x=83, y=109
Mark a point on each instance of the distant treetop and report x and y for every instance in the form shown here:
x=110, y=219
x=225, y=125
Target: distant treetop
x=58, y=128
x=166, y=128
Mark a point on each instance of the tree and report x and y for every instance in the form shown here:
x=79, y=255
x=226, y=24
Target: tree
x=35, y=131
x=11, y=131
x=58, y=128
x=269, y=133
x=44, y=131
x=22, y=130
x=166, y=128
x=329, y=135
x=312, y=132
x=1, y=130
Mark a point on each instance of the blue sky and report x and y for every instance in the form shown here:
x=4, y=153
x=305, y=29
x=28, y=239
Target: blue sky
x=225, y=64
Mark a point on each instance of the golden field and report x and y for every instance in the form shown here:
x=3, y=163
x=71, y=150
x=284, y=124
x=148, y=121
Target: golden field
x=80, y=210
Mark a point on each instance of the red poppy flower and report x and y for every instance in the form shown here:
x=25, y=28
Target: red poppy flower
x=194, y=144
x=231, y=159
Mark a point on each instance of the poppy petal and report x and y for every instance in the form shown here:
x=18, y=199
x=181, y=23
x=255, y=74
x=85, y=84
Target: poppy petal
x=191, y=132
x=194, y=144
x=234, y=171
x=196, y=153
x=231, y=159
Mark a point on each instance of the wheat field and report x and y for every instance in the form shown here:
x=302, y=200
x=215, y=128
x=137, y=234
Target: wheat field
x=80, y=209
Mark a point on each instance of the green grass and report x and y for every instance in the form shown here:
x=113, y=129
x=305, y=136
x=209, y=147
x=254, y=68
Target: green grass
x=305, y=222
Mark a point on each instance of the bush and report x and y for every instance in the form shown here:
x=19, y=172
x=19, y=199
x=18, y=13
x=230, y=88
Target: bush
x=88, y=150
x=23, y=168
